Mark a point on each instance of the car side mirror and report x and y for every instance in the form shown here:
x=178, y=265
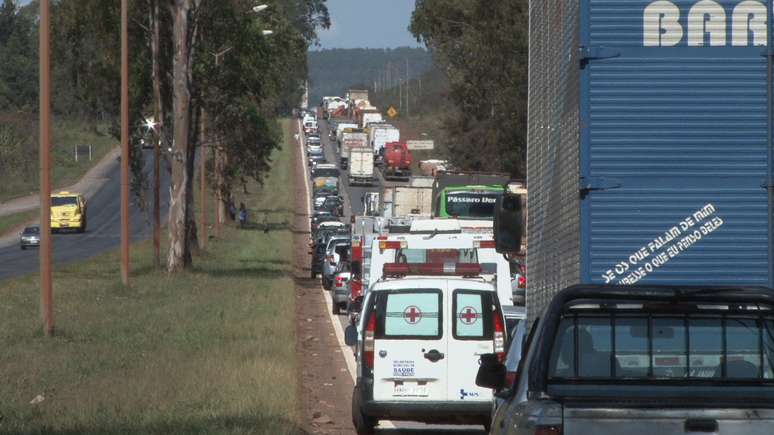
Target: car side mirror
x=509, y=223
x=350, y=335
x=491, y=372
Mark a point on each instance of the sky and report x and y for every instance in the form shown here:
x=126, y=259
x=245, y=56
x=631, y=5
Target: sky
x=365, y=24
x=368, y=24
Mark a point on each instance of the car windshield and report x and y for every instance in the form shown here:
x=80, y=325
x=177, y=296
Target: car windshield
x=696, y=347
x=32, y=230
x=472, y=205
x=64, y=200
x=325, y=172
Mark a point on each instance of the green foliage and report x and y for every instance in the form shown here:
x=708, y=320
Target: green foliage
x=332, y=72
x=18, y=51
x=482, y=48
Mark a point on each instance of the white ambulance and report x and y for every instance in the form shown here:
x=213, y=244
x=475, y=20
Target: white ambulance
x=442, y=241
x=423, y=330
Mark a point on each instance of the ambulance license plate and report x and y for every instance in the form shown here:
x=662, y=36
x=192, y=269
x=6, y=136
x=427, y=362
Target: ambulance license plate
x=410, y=389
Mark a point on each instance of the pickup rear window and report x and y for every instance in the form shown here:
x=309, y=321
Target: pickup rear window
x=722, y=347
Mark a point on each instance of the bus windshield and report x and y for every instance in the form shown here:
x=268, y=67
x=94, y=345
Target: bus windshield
x=472, y=205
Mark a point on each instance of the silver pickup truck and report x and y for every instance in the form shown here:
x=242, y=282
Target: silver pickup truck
x=642, y=360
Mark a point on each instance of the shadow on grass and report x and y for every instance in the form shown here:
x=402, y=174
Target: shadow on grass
x=265, y=227
x=259, y=424
x=255, y=272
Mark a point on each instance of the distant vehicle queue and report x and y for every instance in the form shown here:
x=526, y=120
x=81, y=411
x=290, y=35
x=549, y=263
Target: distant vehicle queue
x=417, y=274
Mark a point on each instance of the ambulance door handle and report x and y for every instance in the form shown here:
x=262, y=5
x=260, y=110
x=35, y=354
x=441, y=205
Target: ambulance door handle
x=434, y=356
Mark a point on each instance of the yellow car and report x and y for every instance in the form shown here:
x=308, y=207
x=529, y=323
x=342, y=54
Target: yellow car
x=68, y=211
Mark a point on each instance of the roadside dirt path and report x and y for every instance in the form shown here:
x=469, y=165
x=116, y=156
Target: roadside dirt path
x=325, y=386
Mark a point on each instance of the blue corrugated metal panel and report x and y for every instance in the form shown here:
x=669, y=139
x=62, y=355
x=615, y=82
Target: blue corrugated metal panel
x=673, y=128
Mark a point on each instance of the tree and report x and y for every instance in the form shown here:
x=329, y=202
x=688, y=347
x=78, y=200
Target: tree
x=482, y=48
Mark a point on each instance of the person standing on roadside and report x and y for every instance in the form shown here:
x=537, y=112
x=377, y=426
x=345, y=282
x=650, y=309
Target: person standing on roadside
x=242, y=215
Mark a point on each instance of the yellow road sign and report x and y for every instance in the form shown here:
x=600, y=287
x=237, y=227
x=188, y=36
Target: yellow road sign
x=392, y=112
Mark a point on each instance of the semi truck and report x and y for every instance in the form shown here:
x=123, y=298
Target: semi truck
x=397, y=160
x=381, y=134
x=361, y=166
x=400, y=201
x=653, y=165
x=351, y=139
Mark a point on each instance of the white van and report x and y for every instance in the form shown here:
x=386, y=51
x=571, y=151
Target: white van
x=420, y=343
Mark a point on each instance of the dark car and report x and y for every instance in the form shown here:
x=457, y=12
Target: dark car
x=30, y=237
x=334, y=205
x=318, y=256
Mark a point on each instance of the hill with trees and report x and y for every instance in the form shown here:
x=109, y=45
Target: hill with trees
x=333, y=71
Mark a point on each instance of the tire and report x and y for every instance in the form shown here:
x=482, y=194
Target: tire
x=23, y=247
x=488, y=426
x=312, y=274
x=326, y=284
x=364, y=425
x=336, y=309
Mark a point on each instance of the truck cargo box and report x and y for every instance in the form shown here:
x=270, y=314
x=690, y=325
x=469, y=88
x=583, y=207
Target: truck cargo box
x=649, y=145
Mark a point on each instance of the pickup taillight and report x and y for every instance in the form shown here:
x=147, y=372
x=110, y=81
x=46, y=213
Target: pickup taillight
x=548, y=430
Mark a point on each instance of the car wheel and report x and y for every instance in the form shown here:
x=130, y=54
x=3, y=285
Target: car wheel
x=312, y=274
x=488, y=426
x=364, y=425
x=23, y=247
x=326, y=284
x=336, y=308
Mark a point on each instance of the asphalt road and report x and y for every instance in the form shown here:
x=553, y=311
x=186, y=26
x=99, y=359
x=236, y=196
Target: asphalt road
x=353, y=195
x=103, y=230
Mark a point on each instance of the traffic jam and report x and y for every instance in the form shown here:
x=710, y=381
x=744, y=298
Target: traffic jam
x=427, y=274
x=419, y=284
x=624, y=287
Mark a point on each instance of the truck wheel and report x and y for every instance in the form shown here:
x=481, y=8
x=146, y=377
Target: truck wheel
x=364, y=425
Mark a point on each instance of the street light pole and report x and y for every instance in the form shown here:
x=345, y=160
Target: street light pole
x=46, y=291
x=124, y=143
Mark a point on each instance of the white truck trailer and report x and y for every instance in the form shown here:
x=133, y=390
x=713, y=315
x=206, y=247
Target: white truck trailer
x=361, y=166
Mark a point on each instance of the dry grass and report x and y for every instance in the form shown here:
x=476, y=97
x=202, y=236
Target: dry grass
x=207, y=352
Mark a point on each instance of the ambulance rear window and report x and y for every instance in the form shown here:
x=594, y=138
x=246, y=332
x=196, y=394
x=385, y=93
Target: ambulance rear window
x=409, y=314
x=473, y=312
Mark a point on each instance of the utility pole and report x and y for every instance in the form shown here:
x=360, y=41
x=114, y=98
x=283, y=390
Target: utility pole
x=203, y=183
x=408, y=80
x=46, y=291
x=158, y=130
x=124, y=143
x=400, y=94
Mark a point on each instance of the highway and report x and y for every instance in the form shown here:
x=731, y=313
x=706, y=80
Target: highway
x=353, y=205
x=103, y=230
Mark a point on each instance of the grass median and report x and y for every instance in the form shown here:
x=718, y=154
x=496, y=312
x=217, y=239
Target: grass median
x=211, y=351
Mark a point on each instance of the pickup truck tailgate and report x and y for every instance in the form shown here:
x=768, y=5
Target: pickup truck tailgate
x=608, y=421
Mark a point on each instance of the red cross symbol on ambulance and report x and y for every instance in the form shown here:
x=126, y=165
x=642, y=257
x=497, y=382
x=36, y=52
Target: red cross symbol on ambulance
x=469, y=315
x=412, y=315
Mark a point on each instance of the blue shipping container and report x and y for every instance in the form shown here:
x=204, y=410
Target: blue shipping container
x=650, y=144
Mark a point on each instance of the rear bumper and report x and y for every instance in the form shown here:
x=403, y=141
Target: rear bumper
x=66, y=223
x=439, y=412
x=340, y=296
